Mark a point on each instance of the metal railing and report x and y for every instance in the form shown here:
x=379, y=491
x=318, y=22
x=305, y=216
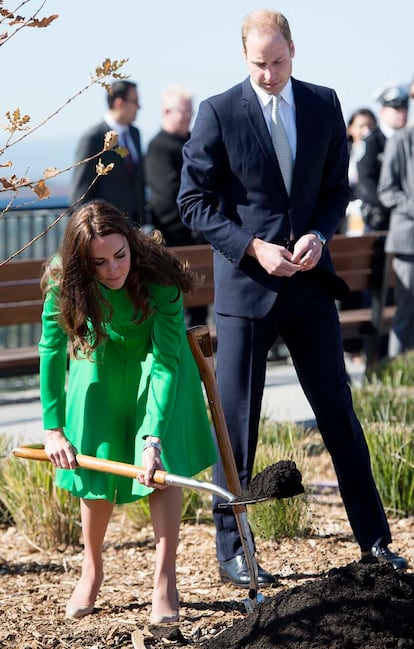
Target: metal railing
x=21, y=225
x=17, y=228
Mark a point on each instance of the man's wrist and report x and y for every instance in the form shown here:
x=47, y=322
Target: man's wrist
x=319, y=236
x=253, y=247
x=250, y=250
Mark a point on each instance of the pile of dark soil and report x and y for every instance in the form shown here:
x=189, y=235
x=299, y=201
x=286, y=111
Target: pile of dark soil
x=280, y=480
x=365, y=606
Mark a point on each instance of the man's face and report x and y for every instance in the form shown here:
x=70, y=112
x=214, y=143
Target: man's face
x=394, y=117
x=179, y=117
x=128, y=107
x=268, y=58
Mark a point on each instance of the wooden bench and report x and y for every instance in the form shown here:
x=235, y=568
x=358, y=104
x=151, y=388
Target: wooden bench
x=21, y=302
x=357, y=260
x=360, y=262
x=353, y=257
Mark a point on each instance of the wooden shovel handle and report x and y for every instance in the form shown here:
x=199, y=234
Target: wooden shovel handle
x=37, y=452
x=200, y=343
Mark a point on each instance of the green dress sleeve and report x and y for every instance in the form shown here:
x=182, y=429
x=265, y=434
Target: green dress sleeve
x=168, y=337
x=53, y=359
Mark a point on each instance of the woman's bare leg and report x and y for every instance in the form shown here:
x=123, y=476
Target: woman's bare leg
x=165, y=507
x=95, y=516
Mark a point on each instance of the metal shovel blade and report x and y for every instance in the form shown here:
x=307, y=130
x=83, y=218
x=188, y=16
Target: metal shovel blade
x=280, y=480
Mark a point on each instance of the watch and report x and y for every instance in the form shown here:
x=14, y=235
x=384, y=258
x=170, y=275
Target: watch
x=319, y=236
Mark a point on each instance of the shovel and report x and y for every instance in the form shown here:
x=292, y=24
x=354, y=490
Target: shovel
x=37, y=452
x=199, y=340
x=261, y=488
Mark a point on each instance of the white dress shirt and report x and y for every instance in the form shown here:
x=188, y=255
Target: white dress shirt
x=123, y=133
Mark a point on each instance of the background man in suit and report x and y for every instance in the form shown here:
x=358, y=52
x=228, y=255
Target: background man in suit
x=396, y=191
x=124, y=186
x=268, y=211
x=163, y=164
x=392, y=116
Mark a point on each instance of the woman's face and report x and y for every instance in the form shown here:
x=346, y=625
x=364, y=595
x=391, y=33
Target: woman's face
x=111, y=257
x=361, y=126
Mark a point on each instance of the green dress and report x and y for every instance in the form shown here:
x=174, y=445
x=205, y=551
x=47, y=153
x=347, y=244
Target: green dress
x=142, y=380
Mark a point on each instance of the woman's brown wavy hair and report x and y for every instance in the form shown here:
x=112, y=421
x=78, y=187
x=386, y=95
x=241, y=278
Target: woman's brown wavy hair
x=72, y=272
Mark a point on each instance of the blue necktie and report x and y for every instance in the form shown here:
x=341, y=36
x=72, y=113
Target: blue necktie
x=129, y=160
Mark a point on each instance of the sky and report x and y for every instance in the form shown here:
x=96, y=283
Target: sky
x=354, y=46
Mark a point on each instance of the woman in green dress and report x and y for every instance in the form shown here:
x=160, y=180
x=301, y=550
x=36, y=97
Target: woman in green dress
x=133, y=391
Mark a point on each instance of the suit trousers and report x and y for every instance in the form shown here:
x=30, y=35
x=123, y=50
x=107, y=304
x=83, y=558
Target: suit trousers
x=401, y=337
x=306, y=317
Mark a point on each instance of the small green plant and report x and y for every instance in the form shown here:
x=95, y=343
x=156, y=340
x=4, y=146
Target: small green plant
x=380, y=403
x=385, y=406
x=196, y=505
x=392, y=457
x=45, y=514
x=387, y=394
x=393, y=372
x=288, y=517
x=5, y=448
x=138, y=512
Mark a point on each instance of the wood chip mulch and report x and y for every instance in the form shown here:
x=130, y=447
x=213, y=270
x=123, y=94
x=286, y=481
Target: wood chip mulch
x=35, y=584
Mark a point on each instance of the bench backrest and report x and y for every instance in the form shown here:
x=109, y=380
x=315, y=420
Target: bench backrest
x=200, y=260
x=21, y=299
x=20, y=294
x=359, y=260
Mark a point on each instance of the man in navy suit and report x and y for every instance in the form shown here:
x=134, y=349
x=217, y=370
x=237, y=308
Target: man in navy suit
x=124, y=186
x=268, y=222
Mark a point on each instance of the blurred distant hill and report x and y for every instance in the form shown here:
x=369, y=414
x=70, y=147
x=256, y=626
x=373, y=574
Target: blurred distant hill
x=30, y=159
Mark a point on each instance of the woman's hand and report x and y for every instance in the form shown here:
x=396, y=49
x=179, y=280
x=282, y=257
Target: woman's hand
x=151, y=461
x=59, y=450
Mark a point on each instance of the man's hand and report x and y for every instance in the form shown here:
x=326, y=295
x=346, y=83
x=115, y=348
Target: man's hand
x=307, y=252
x=275, y=259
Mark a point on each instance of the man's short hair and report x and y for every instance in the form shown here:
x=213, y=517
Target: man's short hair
x=265, y=21
x=119, y=89
x=173, y=94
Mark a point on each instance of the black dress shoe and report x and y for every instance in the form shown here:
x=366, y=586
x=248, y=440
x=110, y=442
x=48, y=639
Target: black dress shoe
x=235, y=571
x=383, y=553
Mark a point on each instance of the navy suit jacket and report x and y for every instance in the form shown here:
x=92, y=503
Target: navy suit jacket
x=232, y=189
x=119, y=187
